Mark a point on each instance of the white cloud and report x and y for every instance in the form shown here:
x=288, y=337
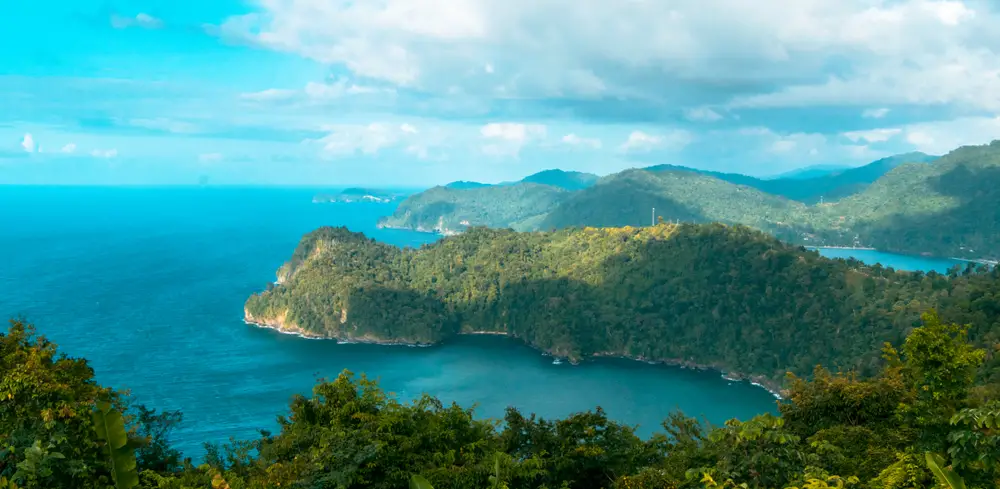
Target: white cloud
x=943, y=136
x=141, y=20
x=702, y=114
x=28, y=143
x=574, y=140
x=370, y=139
x=873, y=135
x=508, y=138
x=783, y=145
x=314, y=92
x=875, y=113
x=69, y=148
x=905, y=51
x=210, y=157
x=511, y=131
x=104, y=153
x=641, y=142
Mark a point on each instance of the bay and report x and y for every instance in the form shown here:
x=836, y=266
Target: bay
x=148, y=284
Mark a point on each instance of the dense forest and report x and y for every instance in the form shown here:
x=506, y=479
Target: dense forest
x=912, y=203
x=727, y=297
x=919, y=422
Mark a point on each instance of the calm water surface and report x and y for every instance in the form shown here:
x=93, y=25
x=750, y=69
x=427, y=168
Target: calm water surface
x=149, y=285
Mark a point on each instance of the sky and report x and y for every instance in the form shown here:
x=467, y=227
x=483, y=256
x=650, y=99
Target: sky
x=424, y=92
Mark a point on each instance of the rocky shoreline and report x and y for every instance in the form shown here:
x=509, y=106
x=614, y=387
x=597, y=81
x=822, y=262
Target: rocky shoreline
x=419, y=229
x=285, y=327
x=757, y=380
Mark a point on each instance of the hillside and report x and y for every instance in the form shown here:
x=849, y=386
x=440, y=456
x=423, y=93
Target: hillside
x=465, y=185
x=567, y=180
x=829, y=186
x=485, y=205
x=727, y=297
x=948, y=208
x=629, y=197
x=812, y=171
x=450, y=210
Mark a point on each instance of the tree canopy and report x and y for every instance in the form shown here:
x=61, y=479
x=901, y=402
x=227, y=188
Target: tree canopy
x=915, y=422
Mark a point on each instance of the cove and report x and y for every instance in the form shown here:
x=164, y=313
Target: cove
x=149, y=285
x=899, y=262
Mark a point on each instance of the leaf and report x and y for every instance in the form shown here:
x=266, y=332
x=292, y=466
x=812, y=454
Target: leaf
x=945, y=476
x=418, y=482
x=110, y=428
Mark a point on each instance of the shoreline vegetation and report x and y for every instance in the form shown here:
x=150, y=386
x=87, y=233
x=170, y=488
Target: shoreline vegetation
x=280, y=327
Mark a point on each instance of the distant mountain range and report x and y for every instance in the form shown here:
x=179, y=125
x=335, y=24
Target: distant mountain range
x=814, y=185
x=911, y=203
x=810, y=172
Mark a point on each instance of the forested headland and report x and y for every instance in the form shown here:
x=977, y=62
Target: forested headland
x=725, y=297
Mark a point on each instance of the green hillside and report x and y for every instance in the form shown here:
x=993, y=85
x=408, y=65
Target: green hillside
x=449, y=210
x=828, y=186
x=567, y=180
x=629, y=198
x=948, y=208
x=727, y=297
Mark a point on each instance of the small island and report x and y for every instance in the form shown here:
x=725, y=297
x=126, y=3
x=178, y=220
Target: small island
x=354, y=194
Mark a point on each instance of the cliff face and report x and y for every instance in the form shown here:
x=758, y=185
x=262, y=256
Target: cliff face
x=347, y=334
x=278, y=323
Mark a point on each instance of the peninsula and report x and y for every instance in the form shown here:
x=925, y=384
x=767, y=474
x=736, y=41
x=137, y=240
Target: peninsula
x=712, y=296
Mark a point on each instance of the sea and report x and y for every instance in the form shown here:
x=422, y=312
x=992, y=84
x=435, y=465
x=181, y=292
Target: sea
x=148, y=284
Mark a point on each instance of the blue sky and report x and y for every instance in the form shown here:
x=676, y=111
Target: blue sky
x=420, y=92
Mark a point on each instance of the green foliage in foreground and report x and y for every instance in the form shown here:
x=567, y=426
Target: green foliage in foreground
x=912, y=424
x=727, y=297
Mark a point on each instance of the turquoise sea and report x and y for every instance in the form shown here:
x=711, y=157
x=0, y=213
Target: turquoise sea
x=149, y=285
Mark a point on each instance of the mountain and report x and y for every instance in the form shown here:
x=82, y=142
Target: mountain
x=465, y=185
x=812, y=171
x=827, y=187
x=354, y=194
x=911, y=203
x=727, y=297
x=947, y=206
x=630, y=197
x=950, y=207
x=567, y=180
x=450, y=210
